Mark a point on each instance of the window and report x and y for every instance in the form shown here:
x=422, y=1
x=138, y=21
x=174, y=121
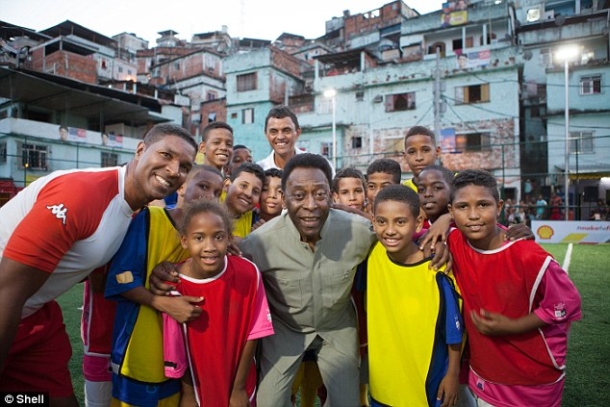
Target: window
x=533, y=14
x=246, y=82
x=129, y=72
x=325, y=106
x=472, y=94
x=457, y=44
x=590, y=85
x=546, y=58
x=400, y=102
x=247, y=116
x=472, y=142
x=360, y=95
x=535, y=111
x=120, y=69
x=234, y=115
x=211, y=95
x=177, y=66
x=109, y=159
x=325, y=149
x=34, y=156
x=441, y=49
x=3, y=153
x=356, y=142
x=581, y=142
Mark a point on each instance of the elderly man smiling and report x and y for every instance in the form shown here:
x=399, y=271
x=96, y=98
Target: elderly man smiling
x=308, y=256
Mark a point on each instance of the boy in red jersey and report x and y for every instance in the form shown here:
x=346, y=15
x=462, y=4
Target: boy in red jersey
x=518, y=302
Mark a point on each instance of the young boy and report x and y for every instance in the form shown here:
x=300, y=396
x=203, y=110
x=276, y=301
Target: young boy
x=241, y=154
x=271, y=199
x=379, y=174
x=434, y=190
x=348, y=188
x=138, y=377
x=217, y=144
x=518, y=302
x=420, y=151
x=243, y=194
x=413, y=314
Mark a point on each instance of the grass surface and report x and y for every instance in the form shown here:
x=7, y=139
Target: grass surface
x=588, y=355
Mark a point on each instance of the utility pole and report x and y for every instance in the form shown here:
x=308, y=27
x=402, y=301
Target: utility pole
x=437, y=97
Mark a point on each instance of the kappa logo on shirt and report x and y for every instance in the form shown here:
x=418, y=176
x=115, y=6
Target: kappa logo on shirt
x=59, y=211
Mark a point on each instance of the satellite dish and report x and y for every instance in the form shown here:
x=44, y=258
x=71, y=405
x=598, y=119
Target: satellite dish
x=527, y=54
x=560, y=20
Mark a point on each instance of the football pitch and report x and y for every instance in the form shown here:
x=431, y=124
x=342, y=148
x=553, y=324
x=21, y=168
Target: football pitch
x=588, y=361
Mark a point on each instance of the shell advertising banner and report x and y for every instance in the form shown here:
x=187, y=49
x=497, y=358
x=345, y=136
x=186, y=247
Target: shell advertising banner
x=586, y=232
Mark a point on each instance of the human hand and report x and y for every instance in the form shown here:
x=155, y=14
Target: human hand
x=258, y=224
x=164, y=271
x=239, y=398
x=519, y=231
x=448, y=391
x=442, y=257
x=233, y=247
x=491, y=323
x=182, y=308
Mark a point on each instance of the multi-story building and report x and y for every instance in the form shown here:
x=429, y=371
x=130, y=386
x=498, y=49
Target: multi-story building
x=545, y=29
x=380, y=94
x=49, y=122
x=255, y=82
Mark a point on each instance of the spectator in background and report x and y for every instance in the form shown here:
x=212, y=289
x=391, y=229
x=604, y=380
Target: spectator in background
x=556, y=205
x=541, y=205
x=602, y=209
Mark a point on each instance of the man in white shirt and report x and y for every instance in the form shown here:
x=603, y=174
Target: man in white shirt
x=282, y=130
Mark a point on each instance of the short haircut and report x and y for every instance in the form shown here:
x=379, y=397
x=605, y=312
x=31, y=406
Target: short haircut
x=420, y=131
x=274, y=173
x=199, y=168
x=279, y=112
x=385, y=165
x=199, y=206
x=479, y=178
x=445, y=172
x=213, y=126
x=348, y=172
x=240, y=147
x=398, y=193
x=251, y=168
x=163, y=130
x=307, y=160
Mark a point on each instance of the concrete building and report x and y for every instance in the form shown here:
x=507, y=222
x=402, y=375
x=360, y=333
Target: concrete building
x=255, y=82
x=545, y=28
x=379, y=98
x=49, y=122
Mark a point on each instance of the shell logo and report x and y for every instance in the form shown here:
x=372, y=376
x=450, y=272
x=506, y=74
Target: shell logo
x=545, y=232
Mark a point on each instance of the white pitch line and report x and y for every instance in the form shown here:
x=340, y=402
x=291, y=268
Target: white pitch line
x=568, y=258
